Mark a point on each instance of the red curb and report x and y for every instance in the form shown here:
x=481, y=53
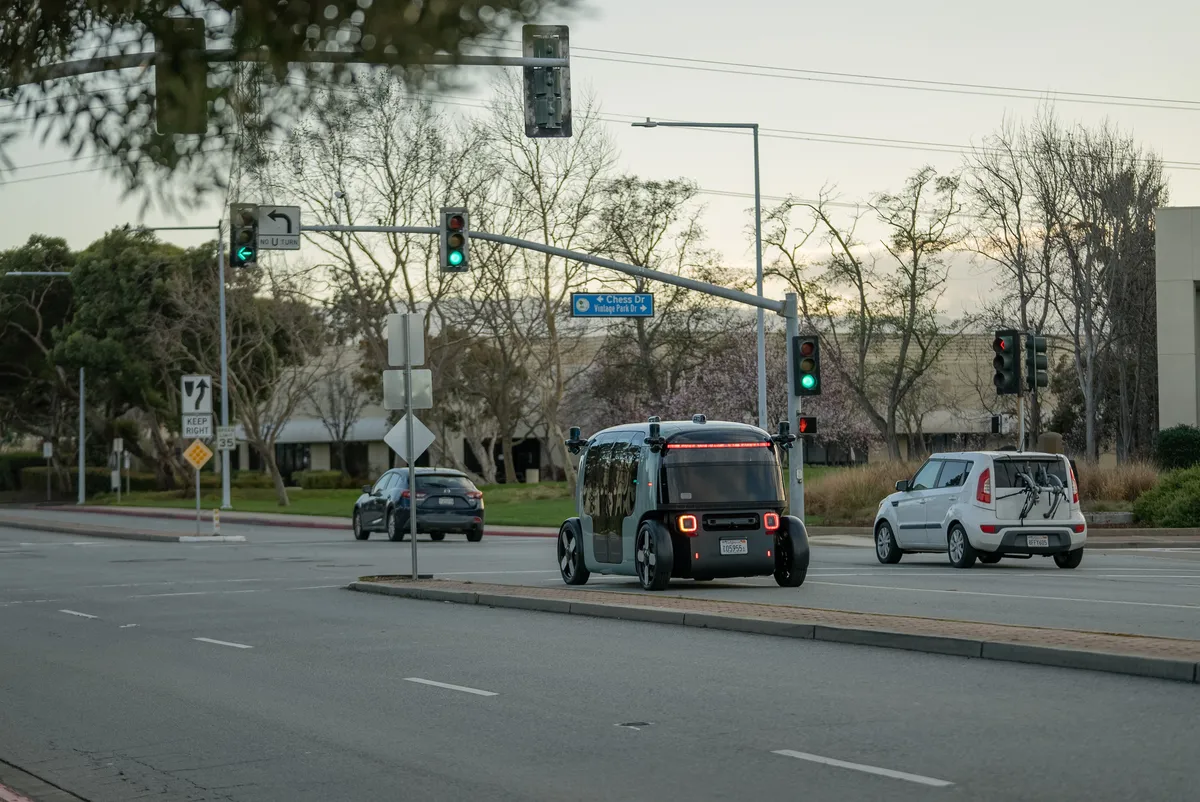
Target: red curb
x=9, y=795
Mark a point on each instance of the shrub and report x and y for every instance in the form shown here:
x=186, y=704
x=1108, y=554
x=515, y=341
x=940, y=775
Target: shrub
x=1125, y=482
x=1173, y=502
x=11, y=465
x=244, y=480
x=322, y=480
x=851, y=495
x=1177, y=447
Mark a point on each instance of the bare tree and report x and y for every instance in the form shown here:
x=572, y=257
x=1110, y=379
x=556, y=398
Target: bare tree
x=338, y=399
x=878, y=315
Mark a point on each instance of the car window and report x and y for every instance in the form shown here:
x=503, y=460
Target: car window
x=926, y=478
x=445, y=481
x=382, y=484
x=954, y=473
x=715, y=473
x=396, y=481
x=1038, y=468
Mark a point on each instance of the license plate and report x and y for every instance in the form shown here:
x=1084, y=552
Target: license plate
x=734, y=547
x=1037, y=541
x=446, y=502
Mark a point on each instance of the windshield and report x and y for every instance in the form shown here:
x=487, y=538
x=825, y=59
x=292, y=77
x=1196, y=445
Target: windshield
x=439, y=481
x=1008, y=470
x=719, y=473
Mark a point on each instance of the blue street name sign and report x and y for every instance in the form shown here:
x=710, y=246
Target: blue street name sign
x=605, y=304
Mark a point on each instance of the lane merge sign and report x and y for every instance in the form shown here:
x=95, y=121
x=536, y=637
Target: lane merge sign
x=609, y=304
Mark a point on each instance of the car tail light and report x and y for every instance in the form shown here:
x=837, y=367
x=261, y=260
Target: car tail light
x=1074, y=489
x=420, y=494
x=474, y=494
x=983, y=493
x=1079, y=528
x=688, y=524
x=987, y=529
x=771, y=521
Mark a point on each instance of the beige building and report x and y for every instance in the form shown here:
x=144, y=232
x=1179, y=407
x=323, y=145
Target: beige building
x=1177, y=263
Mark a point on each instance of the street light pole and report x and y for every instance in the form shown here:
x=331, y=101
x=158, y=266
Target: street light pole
x=758, y=264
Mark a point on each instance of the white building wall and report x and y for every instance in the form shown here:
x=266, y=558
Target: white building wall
x=1177, y=259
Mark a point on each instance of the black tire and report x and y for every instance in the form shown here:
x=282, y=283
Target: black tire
x=989, y=557
x=437, y=536
x=958, y=547
x=394, y=532
x=1069, y=559
x=654, y=556
x=887, y=551
x=475, y=535
x=571, y=564
x=359, y=532
x=790, y=567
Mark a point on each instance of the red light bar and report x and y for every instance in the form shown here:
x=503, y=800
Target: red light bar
x=719, y=445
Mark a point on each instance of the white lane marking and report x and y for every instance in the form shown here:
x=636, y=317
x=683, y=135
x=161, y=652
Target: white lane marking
x=159, y=595
x=29, y=601
x=81, y=615
x=126, y=626
x=842, y=764
x=448, y=686
x=1148, y=576
x=224, y=643
x=483, y=573
x=1012, y=595
x=317, y=587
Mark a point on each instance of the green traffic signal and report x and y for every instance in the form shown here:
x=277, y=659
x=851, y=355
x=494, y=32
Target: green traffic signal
x=806, y=365
x=808, y=381
x=245, y=253
x=456, y=258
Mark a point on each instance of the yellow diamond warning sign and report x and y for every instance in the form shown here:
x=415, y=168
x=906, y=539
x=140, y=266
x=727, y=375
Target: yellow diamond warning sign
x=197, y=454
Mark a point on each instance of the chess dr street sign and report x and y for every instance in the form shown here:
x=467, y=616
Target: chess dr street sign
x=197, y=454
x=197, y=426
x=197, y=395
x=226, y=438
x=279, y=228
x=397, y=438
x=607, y=304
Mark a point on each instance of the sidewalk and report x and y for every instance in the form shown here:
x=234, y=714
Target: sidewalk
x=1166, y=658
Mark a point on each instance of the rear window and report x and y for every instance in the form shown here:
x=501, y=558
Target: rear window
x=721, y=474
x=1009, y=468
x=442, y=481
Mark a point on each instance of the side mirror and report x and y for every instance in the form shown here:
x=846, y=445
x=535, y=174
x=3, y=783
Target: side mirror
x=902, y=486
x=367, y=489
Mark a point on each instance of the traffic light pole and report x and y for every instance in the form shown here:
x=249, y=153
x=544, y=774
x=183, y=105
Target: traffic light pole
x=226, y=500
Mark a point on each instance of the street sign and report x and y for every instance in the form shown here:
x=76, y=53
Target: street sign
x=393, y=389
x=47, y=450
x=118, y=445
x=197, y=394
x=226, y=438
x=279, y=228
x=197, y=426
x=607, y=304
x=397, y=438
x=197, y=454
x=416, y=339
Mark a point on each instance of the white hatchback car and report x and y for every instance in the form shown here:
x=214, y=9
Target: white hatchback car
x=985, y=505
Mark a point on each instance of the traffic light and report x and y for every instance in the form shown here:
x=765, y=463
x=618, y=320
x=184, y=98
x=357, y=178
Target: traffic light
x=1035, y=363
x=181, y=79
x=1007, y=362
x=243, y=234
x=547, y=89
x=455, y=240
x=806, y=365
x=806, y=425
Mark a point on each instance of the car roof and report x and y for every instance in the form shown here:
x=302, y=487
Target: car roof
x=670, y=428
x=441, y=471
x=995, y=454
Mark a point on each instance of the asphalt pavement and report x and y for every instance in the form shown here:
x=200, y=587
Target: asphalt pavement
x=244, y=671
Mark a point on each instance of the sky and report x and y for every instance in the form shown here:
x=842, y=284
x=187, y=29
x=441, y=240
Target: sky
x=1049, y=47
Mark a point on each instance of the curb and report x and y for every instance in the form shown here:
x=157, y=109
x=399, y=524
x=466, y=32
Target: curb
x=81, y=530
x=1160, y=668
x=18, y=785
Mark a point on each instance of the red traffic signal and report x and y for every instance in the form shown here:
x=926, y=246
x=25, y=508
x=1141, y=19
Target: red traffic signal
x=456, y=222
x=806, y=424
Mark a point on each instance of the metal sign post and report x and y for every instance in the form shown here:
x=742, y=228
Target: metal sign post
x=198, y=454
x=48, y=452
x=409, y=458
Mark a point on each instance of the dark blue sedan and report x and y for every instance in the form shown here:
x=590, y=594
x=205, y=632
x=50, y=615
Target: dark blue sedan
x=447, y=502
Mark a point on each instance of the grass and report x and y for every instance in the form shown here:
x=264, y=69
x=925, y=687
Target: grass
x=850, y=496
x=1118, y=483
x=545, y=504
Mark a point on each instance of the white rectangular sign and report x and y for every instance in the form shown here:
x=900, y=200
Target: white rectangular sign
x=226, y=438
x=279, y=228
x=47, y=450
x=196, y=426
x=118, y=445
x=393, y=389
x=197, y=394
x=397, y=438
x=416, y=338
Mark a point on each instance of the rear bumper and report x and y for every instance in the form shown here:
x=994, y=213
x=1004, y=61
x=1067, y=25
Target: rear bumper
x=1013, y=539
x=442, y=521
x=759, y=559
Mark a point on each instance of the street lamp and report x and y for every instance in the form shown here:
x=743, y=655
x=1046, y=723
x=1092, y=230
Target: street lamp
x=762, y=337
x=82, y=431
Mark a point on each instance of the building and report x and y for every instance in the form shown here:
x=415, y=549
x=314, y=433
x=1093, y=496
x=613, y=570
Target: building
x=1177, y=283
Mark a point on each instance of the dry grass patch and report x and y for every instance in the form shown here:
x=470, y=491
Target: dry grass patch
x=851, y=495
x=1117, y=483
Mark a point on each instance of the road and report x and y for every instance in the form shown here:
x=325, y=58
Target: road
x=243, y=672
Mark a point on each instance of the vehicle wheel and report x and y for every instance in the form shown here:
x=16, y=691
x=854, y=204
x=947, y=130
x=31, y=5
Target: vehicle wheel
x=885, y=545
x=1069, y=559
x=475, y=535
x=789, y=571
x=654, y=556
x=570, y=555
x=359, y=532
x=437, y=536
x=394, y=532
x=962, y=553
x=989, y=557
